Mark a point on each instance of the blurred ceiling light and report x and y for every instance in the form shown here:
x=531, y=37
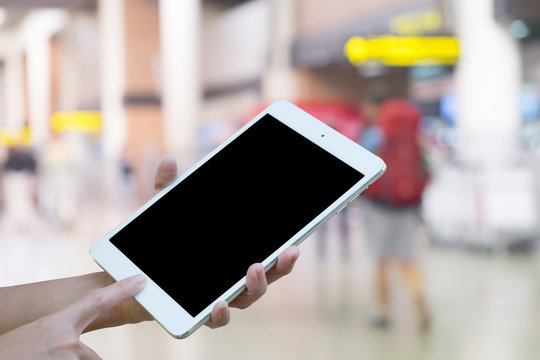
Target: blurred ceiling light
x=3, y=16
x=519, y=29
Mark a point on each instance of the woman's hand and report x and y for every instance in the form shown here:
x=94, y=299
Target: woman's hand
x=23, y=304
x=56, y=336
x=130, y=311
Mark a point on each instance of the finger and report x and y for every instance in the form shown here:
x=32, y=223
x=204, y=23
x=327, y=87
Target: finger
x=88, y=354
x=166, y=173
x=220, y=315
x=284, y=265
x=85, y=310
x=256, y=286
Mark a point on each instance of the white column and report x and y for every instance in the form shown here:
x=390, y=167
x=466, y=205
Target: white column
x=111, y=18
x=279, y=79
x=180, y=79
x=35, y=33
x=488, y=84
x=38, y=84
x=14, y=90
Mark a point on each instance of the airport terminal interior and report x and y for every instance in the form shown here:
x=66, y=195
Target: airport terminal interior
x=95, y=93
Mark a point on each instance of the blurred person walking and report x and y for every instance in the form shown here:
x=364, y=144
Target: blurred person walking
x=3, y=158
x=391, y=205
x=19, y=188
x=58, y=193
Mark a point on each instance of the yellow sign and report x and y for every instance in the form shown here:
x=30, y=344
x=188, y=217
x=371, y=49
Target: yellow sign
x=16, y=137
x=80, y=121
x=403, y=50
x=416, y=23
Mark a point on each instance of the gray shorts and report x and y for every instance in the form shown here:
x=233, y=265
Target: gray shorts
x=390, y=230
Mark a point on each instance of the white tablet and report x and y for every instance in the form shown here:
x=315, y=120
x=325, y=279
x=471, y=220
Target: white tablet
x=269, y=186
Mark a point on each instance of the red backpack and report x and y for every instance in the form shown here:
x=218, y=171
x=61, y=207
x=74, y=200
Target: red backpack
x=406, y=176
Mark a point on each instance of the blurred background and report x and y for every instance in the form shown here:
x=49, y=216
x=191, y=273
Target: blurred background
x=93, y=93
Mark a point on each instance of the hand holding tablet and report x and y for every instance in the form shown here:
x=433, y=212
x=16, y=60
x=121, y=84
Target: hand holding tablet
x=265, y=189
x=34, y=315
x=130, y=311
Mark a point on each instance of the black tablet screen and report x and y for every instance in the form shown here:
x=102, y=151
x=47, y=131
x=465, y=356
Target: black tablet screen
x=236, y=209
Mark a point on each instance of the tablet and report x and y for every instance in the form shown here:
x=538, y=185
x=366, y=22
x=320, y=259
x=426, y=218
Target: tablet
x=267, y=187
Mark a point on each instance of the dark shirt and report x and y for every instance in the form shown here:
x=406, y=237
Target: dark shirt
x=20, y=160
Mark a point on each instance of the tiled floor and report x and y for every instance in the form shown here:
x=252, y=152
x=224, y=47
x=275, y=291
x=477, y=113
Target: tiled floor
x=484, y=306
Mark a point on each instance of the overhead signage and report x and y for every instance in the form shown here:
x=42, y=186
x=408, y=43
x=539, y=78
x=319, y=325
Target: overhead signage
x=78, y=121
x=402, y=50
x=19, y=137
x=416, y=23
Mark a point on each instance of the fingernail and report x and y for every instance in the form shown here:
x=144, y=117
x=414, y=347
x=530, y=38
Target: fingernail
x=138, y=279
x=296, y=256
x=224, y=310
x=260, y=273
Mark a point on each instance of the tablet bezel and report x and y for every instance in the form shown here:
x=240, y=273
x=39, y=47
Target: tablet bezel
x=167, y=312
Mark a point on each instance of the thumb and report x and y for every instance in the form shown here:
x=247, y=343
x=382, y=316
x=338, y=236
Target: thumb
x=85, y=310
x=166, y=173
